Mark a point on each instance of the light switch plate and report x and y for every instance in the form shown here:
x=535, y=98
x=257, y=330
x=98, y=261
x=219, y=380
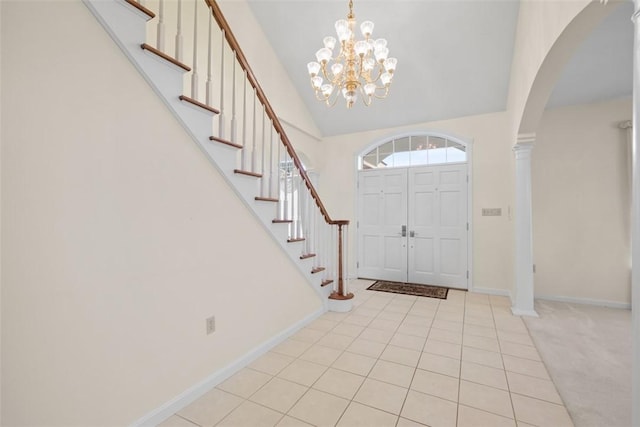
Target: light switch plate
x=491, y=211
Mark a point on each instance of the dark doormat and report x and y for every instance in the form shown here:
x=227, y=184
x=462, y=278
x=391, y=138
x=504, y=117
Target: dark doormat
x=410, y=289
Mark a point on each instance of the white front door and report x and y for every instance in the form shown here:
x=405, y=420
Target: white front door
x=413, y=225
x=383, y=213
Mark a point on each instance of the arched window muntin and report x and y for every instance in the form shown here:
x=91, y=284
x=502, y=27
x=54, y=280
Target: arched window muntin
x=414, y=149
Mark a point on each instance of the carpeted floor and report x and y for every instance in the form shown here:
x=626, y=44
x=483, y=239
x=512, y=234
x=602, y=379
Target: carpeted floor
x=587, y=351
x=410, y=289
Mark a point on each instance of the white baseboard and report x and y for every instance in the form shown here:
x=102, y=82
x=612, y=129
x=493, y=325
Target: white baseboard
x=586, y=301
x=190, y=395
x=491, y=291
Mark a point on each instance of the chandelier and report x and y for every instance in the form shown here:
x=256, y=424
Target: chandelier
x=360, y=66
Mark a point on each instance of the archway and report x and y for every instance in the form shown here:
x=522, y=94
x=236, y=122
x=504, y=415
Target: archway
x=539, y=93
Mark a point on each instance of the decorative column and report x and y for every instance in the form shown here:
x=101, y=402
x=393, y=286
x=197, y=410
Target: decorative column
x=522, y=303
x=635, y=223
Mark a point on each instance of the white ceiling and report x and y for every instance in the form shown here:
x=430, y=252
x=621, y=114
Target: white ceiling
x=454, y=57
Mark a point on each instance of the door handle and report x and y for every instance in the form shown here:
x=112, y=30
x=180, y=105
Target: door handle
x=412, y=233
x=404, y=231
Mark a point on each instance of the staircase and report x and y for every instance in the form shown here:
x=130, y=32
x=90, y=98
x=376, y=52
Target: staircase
x=226, y=113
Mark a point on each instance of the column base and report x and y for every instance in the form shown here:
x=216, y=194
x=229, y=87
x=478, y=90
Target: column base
x=340, y=303
x=519, y=312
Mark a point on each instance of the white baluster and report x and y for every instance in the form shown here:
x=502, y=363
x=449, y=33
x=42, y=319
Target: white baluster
x=263, y=180
x=209, y=44
x=285, y=167
x=243, y=156
x=299, y=205
x=279, y=183
x=160, y=26
x=179, y=38
x=307, y=219
x=310, y=221
x=321, y=254
x=253, y=145
x=333, y=267
x=233, y=102
x=294, y=203
x=271, y=162
x=194, y=74
x=221, y=116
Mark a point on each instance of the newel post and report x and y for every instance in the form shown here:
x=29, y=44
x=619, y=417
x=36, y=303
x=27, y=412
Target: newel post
x=341, y=300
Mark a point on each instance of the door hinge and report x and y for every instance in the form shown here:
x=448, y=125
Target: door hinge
x=467, y=274
x=467, y=178
x=467, y=226
x=357, y=224
x=358, y=264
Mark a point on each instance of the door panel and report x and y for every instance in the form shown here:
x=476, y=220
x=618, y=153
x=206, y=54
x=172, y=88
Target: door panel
x=422, y=223
x=383, y=212
x=453, y=230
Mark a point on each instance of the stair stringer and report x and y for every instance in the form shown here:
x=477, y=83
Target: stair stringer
x=127, y=27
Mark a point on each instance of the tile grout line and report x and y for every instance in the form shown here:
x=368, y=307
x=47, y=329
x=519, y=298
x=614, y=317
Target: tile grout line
x=464, y=315
x=513, y=408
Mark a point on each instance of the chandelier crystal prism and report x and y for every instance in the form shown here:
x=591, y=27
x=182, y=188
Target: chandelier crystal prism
x=360, y=66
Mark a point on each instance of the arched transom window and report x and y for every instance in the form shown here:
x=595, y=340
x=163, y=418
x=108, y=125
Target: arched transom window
x=414, y=150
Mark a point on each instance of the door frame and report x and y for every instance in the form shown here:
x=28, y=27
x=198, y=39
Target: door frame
x=467, y=142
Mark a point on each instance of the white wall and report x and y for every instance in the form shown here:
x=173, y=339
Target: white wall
x=491, y=179
x=581, y=203
x=118, y=237
x=1, y=291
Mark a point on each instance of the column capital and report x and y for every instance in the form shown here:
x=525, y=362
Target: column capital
x=526, y=139
x=523, y=151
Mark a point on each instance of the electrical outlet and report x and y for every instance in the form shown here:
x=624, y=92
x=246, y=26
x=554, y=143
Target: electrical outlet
x=211, y=325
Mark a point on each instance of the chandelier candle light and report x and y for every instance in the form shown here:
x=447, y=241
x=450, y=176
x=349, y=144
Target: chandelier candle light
x=361, y=65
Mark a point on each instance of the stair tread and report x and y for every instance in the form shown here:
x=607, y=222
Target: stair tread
x=326, y=282
x=298, y=239
x=306, y=256
x=282, y=221
x=199, y=104
x=317, y=270
x=248, y=173
x=267, y=199
x=141, y=8
x=224, y=141
x=164, y=56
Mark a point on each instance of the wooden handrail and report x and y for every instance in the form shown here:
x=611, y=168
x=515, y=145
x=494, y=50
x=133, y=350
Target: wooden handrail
x=233, y=43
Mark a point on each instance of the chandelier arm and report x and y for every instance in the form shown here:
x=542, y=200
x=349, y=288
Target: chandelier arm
x=380, y=69
x=323, y=68
x=366, y=99
x=336, y=96
x=386, y=92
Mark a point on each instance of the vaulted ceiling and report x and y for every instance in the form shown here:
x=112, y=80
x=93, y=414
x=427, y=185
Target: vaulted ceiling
x=454, y=57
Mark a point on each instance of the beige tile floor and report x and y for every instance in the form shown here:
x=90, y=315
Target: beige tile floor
x=394, y=360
